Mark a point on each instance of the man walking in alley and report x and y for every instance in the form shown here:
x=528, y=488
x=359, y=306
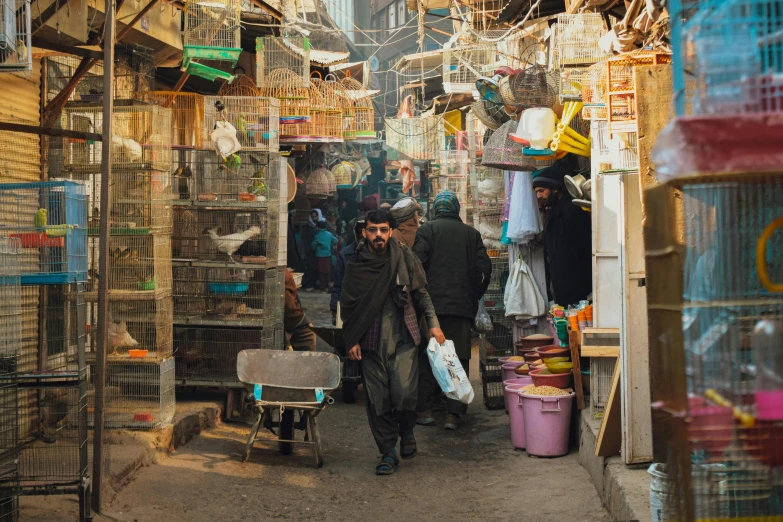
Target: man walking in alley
x=458, y=271
x=384, y=285
x=406, y=215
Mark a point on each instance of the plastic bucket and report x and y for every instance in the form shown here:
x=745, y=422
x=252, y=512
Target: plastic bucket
x=522, y=380
x=516, y=416
x=508, y=369
x=547, y=424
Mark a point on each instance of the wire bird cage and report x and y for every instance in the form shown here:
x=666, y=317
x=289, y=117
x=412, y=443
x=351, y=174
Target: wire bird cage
x=225, y=296
x=715, y=320
x=141, y=138
x=187, y=117
x=134, y=72
x=493, y=115
x=576, y=39
x=247, y=178
x=282, y=52
x=358, y=112
x=139, y=394
x=293, y=94
x=601, y=373
x=210, y=353
x=501, y=152
x=139, y=265
x=243, y=85
x=331, y=122
x=16, y=49
x=212, y=31
x=529, y=88
x=320, y=183
x=493, y=297
x=256, y=119
x=489, y=192
x=594, y=89
x=414, y=138
x=49, y=222
x=343, y=173
x=225, y=236
x=314, y=130
x=571, y=83
x=493, y=345
x=463, y=64
x=621, y=87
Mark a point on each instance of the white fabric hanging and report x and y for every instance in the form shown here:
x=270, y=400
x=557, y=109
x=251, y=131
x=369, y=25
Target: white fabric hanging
x=522, y=297
x=524, y=220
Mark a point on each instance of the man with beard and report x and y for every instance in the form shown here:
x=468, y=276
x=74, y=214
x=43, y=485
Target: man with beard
x=567, y=239
x=384, y=285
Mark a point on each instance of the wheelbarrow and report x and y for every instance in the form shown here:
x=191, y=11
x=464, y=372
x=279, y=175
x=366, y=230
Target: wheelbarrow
x=288, y=382
x=352, y=371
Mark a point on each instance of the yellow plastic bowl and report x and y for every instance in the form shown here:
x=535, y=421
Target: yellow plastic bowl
x=559, y=367
x=557, y=360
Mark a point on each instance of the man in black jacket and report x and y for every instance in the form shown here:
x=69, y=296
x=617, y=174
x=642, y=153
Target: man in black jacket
x=567, y=239
x=458, y=271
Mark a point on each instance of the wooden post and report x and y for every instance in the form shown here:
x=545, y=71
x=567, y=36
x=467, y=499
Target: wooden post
x=573, y=343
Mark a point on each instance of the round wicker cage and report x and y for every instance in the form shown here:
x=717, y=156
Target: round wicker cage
x=533, y=87
x=242, y=85
x=313, y=130
x=343, y=173
x=358, y=111
x=501, y=152
x=320, y=183
x=332, y=107
x=294, y=96
x=490, y=114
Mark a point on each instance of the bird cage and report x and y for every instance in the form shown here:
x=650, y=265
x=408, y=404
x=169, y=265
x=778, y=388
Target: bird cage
x=343, y=174
x=493, y=297
x=601, y=373
x=621, y=95
x=332, y=110
x=209, y=354
x=463, y=64
x=255, y=119
x=292, y=93
x=224, y=296
x=141, y=138
x=139, y=265
x=224, y=235
x=493, y=345
x=454, y=163
x=134, y=72
x=576, y=40
x=358, y=112
x=571, y=83
x=242, y=85
x=594, y=92
x=490, y=114
x=489, y=192
x=282, y=52
x=139, y=394
x=212, y=31
x=414, y=138
x=16, y=49
x=59, y=72
x=318, y=184
x=49, y=220
x=245, y=178
x=187, y=117
x=714, y=268
x=503, y=153
x=529, y=88
x=312, y=131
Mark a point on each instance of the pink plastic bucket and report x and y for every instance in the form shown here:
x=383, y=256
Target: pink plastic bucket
x=547, y=424
x=522, y=380
x=769, y=405
x=515, y=415
x=508, y=369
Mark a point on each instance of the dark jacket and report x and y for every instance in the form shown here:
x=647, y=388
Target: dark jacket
x=456, y=262
x=339, y=272
x=569, y=253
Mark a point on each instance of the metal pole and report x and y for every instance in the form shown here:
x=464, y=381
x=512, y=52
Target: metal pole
x=103, y=255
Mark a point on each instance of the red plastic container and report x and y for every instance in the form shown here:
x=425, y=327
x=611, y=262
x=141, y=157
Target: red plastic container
x=531, y=357
x=559, y=380
x=527, y=344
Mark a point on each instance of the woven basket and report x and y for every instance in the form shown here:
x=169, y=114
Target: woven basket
x=343, y=173
x=491, y=115
x=501, y=152
x=320, y=183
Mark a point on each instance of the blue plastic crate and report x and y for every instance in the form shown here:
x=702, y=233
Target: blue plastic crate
x=49, y=220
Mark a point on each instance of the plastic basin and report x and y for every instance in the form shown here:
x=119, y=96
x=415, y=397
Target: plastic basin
x=547, y=424
x=531, y=357
x=516, y=417
x=550, y=352
x=518, y=382
x=711, y=427
x=562, y=380
x=526, y=343
x=505, y=360
x=508, y=369
x=559, y=366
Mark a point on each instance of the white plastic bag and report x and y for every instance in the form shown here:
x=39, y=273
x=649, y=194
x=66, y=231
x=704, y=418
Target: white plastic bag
x=524, y=219
x=449, y=372
x=225, y=139
x=522, y=297
x=482, y=322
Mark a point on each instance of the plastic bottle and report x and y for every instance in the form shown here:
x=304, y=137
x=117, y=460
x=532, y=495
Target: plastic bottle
x=768, y=356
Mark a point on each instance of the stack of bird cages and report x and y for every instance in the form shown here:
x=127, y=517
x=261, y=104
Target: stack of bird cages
x=715, y=255
x=187, y=117
x=60, y=70
x=292, y=91
x=330, y=128
x=414, y=138
x=49, y=221
x=621, y=88
x=139, y=265
x=255, y=119
x=141, y=138
x=489, y=193
x=594, y=92
x=493, y=345
x=282, y=52
x=358, y=112
x=601, y=372
x=463, y=64
x=212, y=33
x=15, y=36
x=453, y=176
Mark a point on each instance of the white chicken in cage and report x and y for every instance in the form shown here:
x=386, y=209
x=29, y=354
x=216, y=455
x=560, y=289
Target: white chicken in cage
x=231, y=243
x=126, y=149
x=491, y=189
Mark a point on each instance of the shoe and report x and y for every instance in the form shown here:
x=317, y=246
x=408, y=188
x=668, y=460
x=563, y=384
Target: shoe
x=452, y=422
x=425, y=418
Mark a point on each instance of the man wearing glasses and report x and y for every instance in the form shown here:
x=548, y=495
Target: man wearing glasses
x=383, y=288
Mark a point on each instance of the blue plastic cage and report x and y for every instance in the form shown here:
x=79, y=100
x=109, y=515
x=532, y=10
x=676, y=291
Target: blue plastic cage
x=49, y=221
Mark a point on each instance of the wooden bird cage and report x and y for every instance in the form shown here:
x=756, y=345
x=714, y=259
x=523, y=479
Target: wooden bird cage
x=576, y=39
x=594, y=92
x=294, y=96
x=320, y=183
x=282, y=52
x=254, y=118
x=311, y=131
x=212, y=31
x=332, y=109
x=358, y=112
x=16, y=49
x=343, y=174
x=242, y=85
x=187, y=117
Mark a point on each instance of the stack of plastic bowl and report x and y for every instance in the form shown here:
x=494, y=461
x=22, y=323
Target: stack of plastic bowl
x=511, y=387
x=546, y=423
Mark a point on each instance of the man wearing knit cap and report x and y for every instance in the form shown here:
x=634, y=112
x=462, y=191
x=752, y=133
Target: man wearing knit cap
x=405, y=214
x=567, y=239
x=458, y=271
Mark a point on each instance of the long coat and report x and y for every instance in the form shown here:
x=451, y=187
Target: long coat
x=568, y=248
x=456, y=262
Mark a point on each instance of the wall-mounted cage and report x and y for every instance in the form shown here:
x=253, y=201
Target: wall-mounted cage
x=594, y=89
x=414, y=138
x=212, y=31
x=16, y=49
x=256, y=120
x=358, y=111
x=139, y=394
x=282, y=52
x=49, y=221
x=209, y=354
x=141, y=138
x=139, y=265
x=226, y=296
x=225, y=235
x=576, y=39
x=292, y=91
x=187, y=117
x=249, y=178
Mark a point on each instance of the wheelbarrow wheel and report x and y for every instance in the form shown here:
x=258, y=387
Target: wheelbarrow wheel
x=349, y=391
x=286, y=432
x=315, y=437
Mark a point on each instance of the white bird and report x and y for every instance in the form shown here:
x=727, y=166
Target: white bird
x=119, y=337
x=490, y=231
x=127, y=149
x=231, y=243
x=491, y=188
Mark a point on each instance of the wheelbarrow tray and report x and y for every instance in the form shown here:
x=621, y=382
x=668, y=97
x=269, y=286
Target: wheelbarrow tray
x=286, y=369
x=288, y=396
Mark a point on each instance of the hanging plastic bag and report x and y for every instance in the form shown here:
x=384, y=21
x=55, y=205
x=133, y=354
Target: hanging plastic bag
x=482, y=323
x=522, y=298
x=524, y=221
x=225, y=139
x=448, y=371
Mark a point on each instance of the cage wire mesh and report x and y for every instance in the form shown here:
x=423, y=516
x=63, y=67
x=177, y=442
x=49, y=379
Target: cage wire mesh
x=59, y=71
x=571, y=83
x=489, y=192
x=212, y=24
x=414, y=138
x=139, y=265
x=501, y=152
x=531, y=87
x=576, y=39
x=16, y=49
x=343, y=173
x=594, y=89
x=358, y=111
x=313, y=130
x=493, y=345
x=256, y=119
x=601, y=372
x=320, y=183
x=464, y=63
x=292, y=91
x=282, y=52
x=187, y=117
x=493, y=297
x=331, y=120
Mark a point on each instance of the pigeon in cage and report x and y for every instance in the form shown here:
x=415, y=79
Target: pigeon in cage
x=126, y=149
x=230, y=243
x=491, y=189
x=119, y=337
